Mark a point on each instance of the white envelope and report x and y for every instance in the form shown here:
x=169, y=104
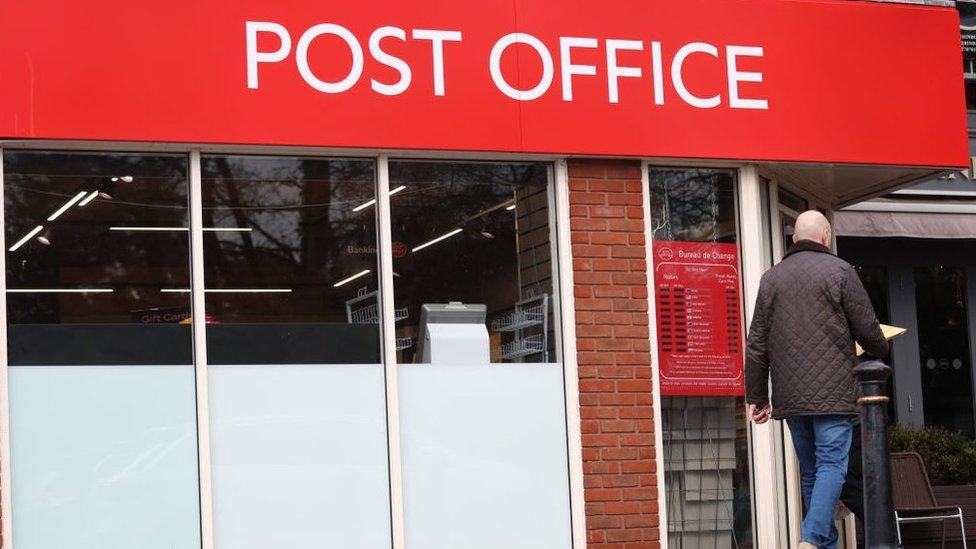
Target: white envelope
x=890, y=332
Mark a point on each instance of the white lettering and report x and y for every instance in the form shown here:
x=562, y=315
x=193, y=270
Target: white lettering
x=495, y=66
x=355, y=70
x=254, y=56
x=567, y=68
x=679, y=84
x=437, y=39
x=735, y=76
x=518, y=89
x=614, y=72
x=657, y=66
x=395, y=63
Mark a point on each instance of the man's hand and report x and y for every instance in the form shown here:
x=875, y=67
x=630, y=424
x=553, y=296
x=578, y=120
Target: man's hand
x=759, y=414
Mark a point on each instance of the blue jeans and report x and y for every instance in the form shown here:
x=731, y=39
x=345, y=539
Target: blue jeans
x=822, y=444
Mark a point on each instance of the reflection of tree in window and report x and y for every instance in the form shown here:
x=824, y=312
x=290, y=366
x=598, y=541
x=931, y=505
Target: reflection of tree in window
x=498, y=251
x=299, y=229
x=79, y=249
x=692, y=205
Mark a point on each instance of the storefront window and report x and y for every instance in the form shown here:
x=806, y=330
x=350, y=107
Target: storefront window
x=297, y=390
x=101, y=378
x=698, y=311
x=99, y=294
x=482, y=414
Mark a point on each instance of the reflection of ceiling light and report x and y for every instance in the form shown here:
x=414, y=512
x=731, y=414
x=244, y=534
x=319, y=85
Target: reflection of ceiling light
x=106, y=190
x=230, y=291
x=484, y=230
x=57, y=213
x=510, y=208
x=26, y=237
x=45, y=237
x=60, y=290
x=351, y=278
x=91, y=196
x=148, y=229
x=163, y=229
x=365, y=205
x=126, y=178
x=438, y=239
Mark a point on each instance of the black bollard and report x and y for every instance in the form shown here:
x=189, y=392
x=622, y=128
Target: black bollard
x=879, y=510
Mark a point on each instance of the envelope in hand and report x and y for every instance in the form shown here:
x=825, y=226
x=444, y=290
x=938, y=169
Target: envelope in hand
x=890, y=332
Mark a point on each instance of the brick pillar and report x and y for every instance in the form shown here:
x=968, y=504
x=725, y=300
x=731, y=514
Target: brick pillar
x=610, y=274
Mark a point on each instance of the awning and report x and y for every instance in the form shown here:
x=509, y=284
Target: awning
x=905, y=224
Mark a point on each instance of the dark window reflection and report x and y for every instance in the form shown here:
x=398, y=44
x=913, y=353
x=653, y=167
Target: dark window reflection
x=95, y=239
x=875, y=280
x=943, y=337
x=476, y=234
x=290, y=260
x=692, y=205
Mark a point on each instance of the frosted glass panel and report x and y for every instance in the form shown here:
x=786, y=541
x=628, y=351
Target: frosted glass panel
x=104, y=457
x=484, y=456
x=299, y=456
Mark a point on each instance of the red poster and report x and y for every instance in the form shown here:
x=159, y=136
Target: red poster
x=772, y=80
x=699, y=318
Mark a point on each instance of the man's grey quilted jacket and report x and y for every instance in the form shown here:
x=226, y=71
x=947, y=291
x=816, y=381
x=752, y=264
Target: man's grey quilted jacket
x=810, y=309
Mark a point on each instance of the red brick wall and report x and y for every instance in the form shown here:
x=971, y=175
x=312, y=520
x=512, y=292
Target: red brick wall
x=610, y=276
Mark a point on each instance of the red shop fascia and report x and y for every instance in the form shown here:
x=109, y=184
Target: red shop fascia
x=821, y=88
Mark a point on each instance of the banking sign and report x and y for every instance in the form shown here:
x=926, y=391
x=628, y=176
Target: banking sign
x=774, y=80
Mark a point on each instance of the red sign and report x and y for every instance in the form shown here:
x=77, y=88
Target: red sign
x=699, y=318
x=783, y=80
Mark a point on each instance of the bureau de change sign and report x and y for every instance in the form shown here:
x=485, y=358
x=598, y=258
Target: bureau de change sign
x=699, y=318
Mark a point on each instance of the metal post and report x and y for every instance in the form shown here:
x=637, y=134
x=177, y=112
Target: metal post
x=879, y=512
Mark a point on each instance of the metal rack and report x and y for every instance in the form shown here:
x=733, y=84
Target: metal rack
x=364, y=309
x=357, y=313
x=528, y=324
x=529, y=345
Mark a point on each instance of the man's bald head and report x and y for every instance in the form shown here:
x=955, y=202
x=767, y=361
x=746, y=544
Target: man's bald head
x=812, y=225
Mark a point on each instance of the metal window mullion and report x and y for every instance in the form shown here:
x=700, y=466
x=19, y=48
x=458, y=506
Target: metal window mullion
x=388, y=334
x=199, y=324
x=566, y=321
x=6, y=490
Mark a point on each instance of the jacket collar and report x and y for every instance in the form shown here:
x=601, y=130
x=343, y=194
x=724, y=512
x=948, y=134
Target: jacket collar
x=807, y=246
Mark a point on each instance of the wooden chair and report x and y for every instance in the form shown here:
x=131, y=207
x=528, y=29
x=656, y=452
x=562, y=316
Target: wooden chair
x=913, y=497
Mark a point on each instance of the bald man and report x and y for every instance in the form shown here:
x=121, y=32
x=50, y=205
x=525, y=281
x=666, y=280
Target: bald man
x=810, y=310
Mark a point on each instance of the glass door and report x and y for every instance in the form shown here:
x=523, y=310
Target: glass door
x=943, y=336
